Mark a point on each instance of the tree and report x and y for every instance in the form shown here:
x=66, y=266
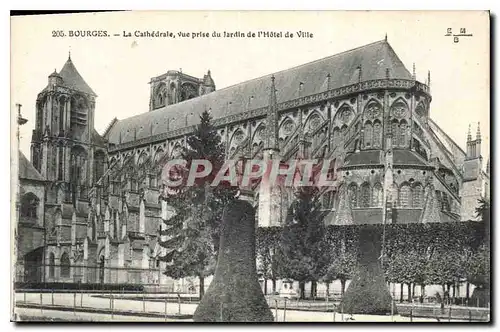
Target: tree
x=193, y=233
x=267, y=241
x=234, y=294
x=341, y=268
x=483, y=211
x=303, y=247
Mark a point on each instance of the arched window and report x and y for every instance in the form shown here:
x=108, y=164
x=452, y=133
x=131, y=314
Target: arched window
x=445, y=202
x=134, y=183
x=29, y=205
x=78, y=162
x=65, y=265
x=352, y=192
x=418, y=196
x=60, y=162
x=420, y=110
x=377, y=134
x=52, y=262
x=62, y=104
x=402, y=133
x=377, y=195
x=343, y=132
x=368, y=134
x=336, y=136
x=116, y=184
x=405, y=195
x=142, y=167
x=364, y=199
x=160, y=96
x=395, y=132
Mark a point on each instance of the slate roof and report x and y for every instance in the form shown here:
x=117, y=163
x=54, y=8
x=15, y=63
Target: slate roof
x=73, y=80
x=369, y=157
x=27, y=170
x=374, y=58
x=406, y=157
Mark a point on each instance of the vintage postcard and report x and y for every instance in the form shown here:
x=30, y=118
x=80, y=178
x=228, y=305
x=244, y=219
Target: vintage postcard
x=211, y=166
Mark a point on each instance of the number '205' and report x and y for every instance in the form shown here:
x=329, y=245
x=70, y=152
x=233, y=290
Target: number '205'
x=57, y=33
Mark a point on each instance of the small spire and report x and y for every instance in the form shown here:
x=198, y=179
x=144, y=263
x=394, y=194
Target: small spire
x=478, y=132
x=301, y=87
x=387, y=73
x=69, y=54
x=414, y=75
x=208, y=73
x=429, y=78
x=272, y=98
x=360, y=73
x=328, y=76
x=272, y=138
x=385, y=36
x=469, y=136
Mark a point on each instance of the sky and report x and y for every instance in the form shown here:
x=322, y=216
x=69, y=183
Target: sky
x=118, y=69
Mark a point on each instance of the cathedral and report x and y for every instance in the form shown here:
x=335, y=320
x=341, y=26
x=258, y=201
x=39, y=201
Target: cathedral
x=90, y=205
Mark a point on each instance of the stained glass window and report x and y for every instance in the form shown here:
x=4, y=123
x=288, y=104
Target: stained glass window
x=65, y=265
x=368, y=134
x=353, y=195
x=395, y=133
x=405, y=196
x=29, y=205
x=365, y=195
x=336, y=136
x=418, y=196
x=402, y=134
x=377, y=134
x=52, y=262
x=377, y=195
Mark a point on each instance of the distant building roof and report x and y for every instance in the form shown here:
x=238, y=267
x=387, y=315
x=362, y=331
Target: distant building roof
x=73, y=80
x=27, y=170
x=343, y=69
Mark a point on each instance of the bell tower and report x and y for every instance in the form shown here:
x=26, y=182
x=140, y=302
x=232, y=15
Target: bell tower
x=61, y=144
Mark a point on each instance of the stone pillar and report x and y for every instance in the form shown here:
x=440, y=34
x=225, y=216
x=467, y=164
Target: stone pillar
x=107, y=217
x=142, y=217
x=107, y=261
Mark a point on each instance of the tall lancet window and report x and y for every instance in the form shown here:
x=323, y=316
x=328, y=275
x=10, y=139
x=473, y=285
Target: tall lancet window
x=395, y=133
x=62, y=103
x=402, y=133
x=60, y=163
x=377, y=195
x=418, y=196
x=368, y=134
x=364, y=199
x=377, y=134
x=405, y=196
x=336, y=137
x=352, y=193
